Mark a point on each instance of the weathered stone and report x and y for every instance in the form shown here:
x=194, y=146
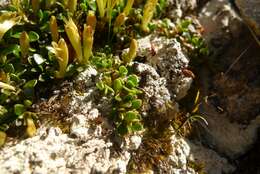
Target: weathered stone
x=228, y=138
x=169, y=61
x=250, y=11
x=221, y=25
x=185, y=152
x=179, y=8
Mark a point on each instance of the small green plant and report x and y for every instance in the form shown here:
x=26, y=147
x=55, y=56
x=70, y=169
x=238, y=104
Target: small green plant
x=192, y=41
x=45, y=40
x=118, y=82
x=183, y=125
x=125, y=92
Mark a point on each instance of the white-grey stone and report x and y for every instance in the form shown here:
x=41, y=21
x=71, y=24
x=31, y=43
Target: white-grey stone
x=179, y=8
x=169, y=61
x=133, y=142
x=185, y=151
x=231, y=139
x=221, y=24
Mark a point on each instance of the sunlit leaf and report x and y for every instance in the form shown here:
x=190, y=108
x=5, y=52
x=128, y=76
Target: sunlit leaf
x=136, y=126
x=30, y=84
x=136, y=104
x=19, y=109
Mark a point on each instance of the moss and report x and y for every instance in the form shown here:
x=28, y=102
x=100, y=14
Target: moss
x=155, y=149
x=197, y=167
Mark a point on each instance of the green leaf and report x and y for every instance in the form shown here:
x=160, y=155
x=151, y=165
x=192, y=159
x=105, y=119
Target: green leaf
x=10, y=49
x=33, y=36
x=14, y=77
x=32, y=49
x=30, y=84
x=123, y=71
x=131, y=116
x=17, y=35
x=19, y=109
x=27, y=103
x=3, y=59
x=117, y=85
x=118, y=98
x=9, y=68
x=122, y=129
x=108, y=88
x=132, y=91
x=132, y=81
x=136, y=126
x=3, y=110
x=129, y=97
x=100, y=85
x=136, y=104
x=71, y=69
x=92, y=5
x=126, y=105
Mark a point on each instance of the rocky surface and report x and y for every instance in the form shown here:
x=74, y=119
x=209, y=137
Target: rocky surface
x=231, y=79
x=90, y=147
x=3, y=2
x=250, y=11
x=231, y=139
x=179, y=8
x=86, y=149
x=169, y=61
x=185, y=152
x=221, y=25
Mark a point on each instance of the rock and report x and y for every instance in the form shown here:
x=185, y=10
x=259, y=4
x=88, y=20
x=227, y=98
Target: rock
x=180, y=152
x=211, y=161
x=229, y=138
x=178, y=8
x=133, y=142
x=51, y=151
x=186, y=153
x=222, y=25
x=156, y=93
x=86, y=149
x=79, y=127
x=250, y=11
x=169, y=61
x=4, y=3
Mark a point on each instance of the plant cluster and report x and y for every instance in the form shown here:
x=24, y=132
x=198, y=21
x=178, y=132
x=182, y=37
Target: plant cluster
x=119, y=81
x=192, y=41
x=187, y=32
x=46, y=40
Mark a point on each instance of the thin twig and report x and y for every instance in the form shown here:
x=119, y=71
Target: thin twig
x=237, y=59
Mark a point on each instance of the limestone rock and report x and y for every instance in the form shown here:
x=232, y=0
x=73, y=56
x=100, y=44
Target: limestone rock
x=231, y=139
x=178, y=8
x=221, y=24
x=185, y=152
x=168, y=61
